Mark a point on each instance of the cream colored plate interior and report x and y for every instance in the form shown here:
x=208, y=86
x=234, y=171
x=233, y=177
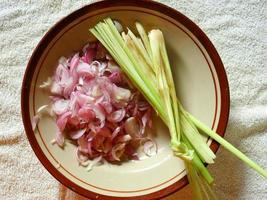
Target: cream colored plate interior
x=195, y=80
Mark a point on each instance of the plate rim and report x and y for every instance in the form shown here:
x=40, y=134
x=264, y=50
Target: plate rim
x=152, y=5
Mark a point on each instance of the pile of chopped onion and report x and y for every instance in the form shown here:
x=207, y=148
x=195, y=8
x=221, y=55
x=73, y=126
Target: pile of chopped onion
x=95, y=105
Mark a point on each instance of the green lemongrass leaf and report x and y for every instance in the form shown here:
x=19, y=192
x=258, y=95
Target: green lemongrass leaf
x=139, y=58
x=155, y=54
x=197, y=162
x=157, y=43
x=207, y=189
x=168, y=72
x=156, y=36
x=194, y=181
x=153, y=97
x=143, y=52
x=196, y=141
x=144, y=38
x=163, y=86
x=227, y=146
x=201, y=189
x=202, y=169
x=166, y=97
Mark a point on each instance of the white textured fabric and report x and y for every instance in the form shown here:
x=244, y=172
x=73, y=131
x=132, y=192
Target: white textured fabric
x=237, y=29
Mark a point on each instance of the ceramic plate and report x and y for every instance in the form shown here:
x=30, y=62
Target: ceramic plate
x=201, y=85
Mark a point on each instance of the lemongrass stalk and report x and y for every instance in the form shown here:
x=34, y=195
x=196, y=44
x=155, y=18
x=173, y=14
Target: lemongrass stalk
x=167, y=69
x=157, y=43
x=152, y=90
x=109, y=36
x=141, y=49
x=194, y=137
x=155, y=54
x=227, y=145
x=203, y=169
x=131, y=44
x=163, y=85
x=166, y=97
x=153, y=98
x=197, y=162
x=161, y=60
x=201, y=189
x=144, y=37
x=194, y=181
x=196, y=141
x=207, y=189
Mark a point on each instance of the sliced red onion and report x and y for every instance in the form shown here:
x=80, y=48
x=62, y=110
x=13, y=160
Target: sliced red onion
x=124, y=138
x=62, y=120
x=45, y=109
x=82, y=144
x=105, y=132
x=107, y=106
x=94, y=163
x=59, y=138
x=105, y=102
x=112, y=67
x=120, y=94
x=73, y=64
x=117, y=151
x=62, y=74
x=89, y=55
x=142, y=105
x=132, y=127
x=56, y=89
x=86, y=113
x=115, y=132
x=92, y=107
x=96, y=91
x=83, y=99
x=150, y=147
x=100, y=51
x=102, y=67
x=115, y=77
x=80, y=81
x=46, y=84
x=91, y=135
x=97, y=143
x=107, y=145
x=131, y=152
x=85, y=70
x=145, y=120
x=60, y=106
x=63, y=61
x=69, y=86
x=77, y=134
x=108, y=57
x=81, y=157
x=99, y=113
x=96, y=67
x=89, y=149
x=117, y=116
x=73, y=121
x=35, y=121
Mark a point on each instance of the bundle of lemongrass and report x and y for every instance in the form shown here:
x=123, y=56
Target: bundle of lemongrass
x=145, y=61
